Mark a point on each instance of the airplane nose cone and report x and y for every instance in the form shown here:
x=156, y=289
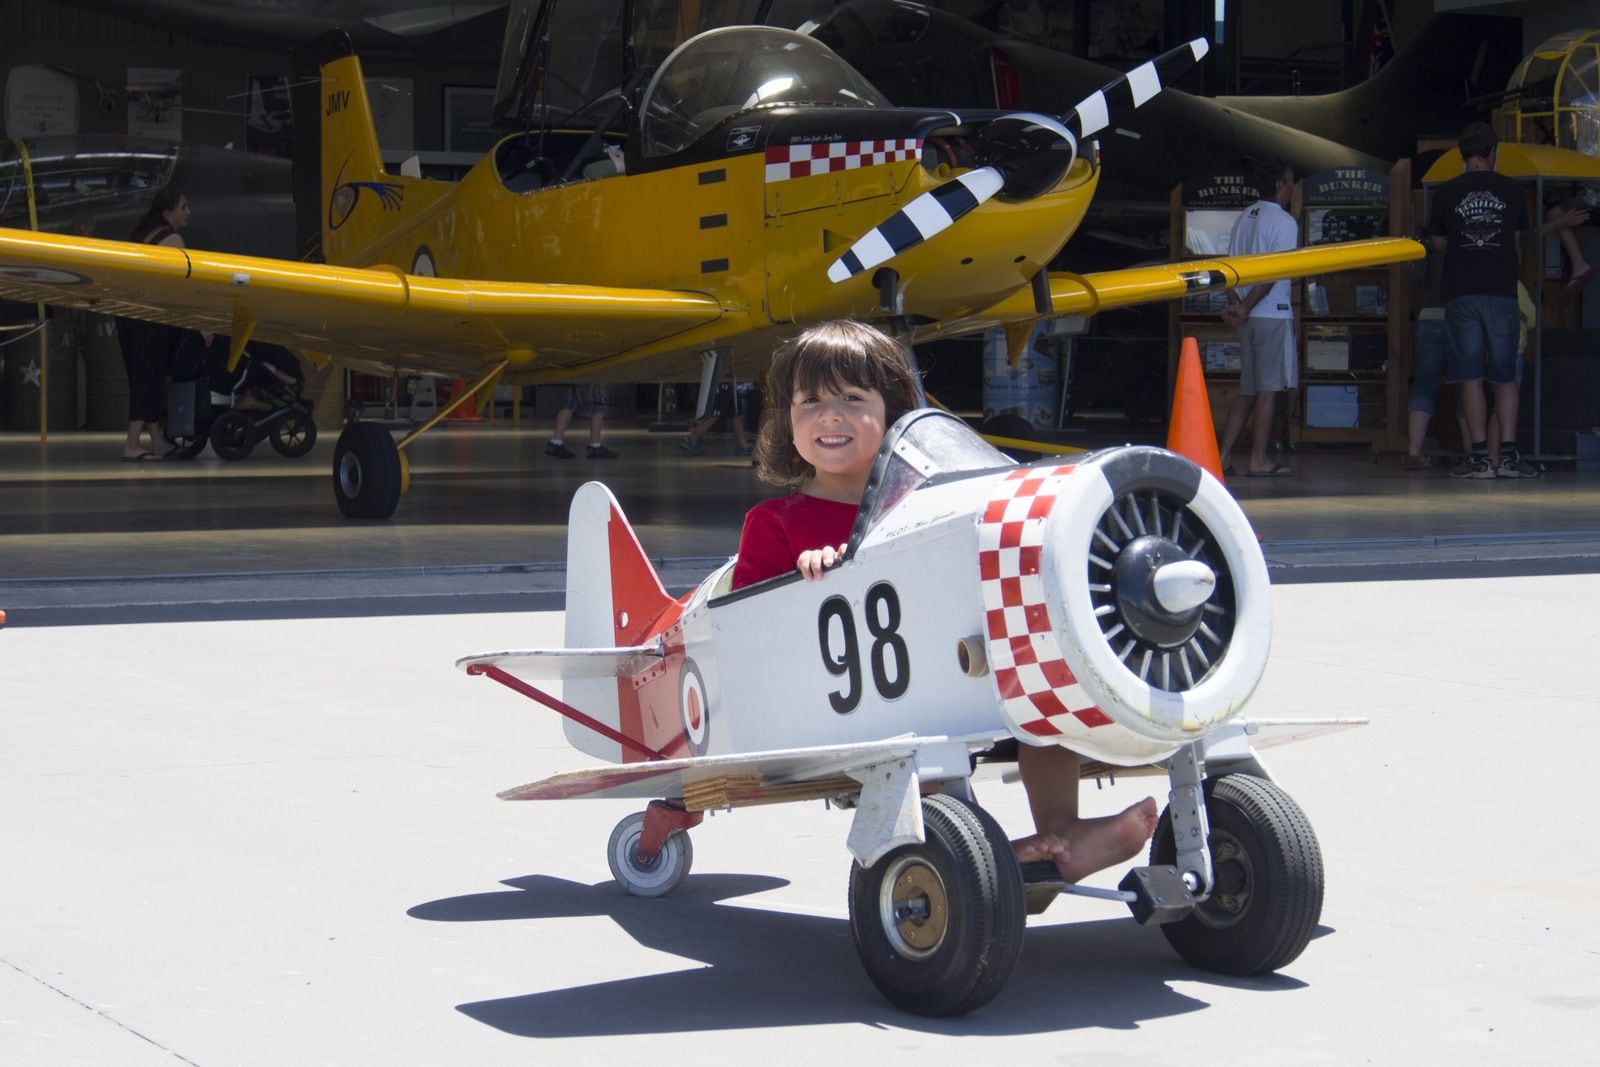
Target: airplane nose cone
x=1182, y=586
x=1161, y=591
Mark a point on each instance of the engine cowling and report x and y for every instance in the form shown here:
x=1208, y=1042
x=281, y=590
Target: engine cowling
x=1127, y=604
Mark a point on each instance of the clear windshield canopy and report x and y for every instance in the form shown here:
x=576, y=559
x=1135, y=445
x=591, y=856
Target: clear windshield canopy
x=923, y=445
x=727, y=71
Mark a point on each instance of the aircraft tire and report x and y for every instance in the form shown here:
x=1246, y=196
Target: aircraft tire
x=293, y=435
x=959, y=948
x=233, y=435
x=1266, y=899
x=366, y=472
x=661, y=877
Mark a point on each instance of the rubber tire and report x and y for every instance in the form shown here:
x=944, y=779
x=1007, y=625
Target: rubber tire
x=293, y=435
x=982, y=883
x=366, y=472
x=1263, y=846
x=233, y=435
x=668, y=871
x=189, y=447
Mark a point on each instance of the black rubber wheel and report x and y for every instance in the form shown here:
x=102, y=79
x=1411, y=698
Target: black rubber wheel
x=938, y=926
x=1267, y=899
x=366, y=472
x=189, y=447
x=661, y=876
x=233, y=435
x=293, y=435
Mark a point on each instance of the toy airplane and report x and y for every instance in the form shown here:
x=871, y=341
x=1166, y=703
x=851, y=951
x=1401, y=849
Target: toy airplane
x=1117, y=604
x=764, y=185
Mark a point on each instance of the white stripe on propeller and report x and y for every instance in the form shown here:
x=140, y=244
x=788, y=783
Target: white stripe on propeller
x=927, y=215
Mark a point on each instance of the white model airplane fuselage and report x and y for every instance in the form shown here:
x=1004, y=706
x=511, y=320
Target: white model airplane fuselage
x=1116, y=604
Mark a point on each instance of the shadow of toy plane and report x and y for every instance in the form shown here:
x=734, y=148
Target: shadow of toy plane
x=756, y=959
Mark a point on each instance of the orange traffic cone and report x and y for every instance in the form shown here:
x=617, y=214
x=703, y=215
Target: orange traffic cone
x=1192, y=434
x=468, y=412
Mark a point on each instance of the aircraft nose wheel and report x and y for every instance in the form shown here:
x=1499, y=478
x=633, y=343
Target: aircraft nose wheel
x=656, y=878
x=938, y=926
x=1266, y=899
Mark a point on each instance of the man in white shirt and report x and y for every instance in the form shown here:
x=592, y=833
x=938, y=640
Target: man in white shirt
x=1269, y=362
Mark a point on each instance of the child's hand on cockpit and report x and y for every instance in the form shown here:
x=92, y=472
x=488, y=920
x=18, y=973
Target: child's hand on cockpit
x=813, y=561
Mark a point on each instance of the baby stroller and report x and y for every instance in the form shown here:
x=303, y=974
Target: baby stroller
x=259, y=398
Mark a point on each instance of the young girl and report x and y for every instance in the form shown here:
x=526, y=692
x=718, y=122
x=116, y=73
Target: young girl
x=836, y=389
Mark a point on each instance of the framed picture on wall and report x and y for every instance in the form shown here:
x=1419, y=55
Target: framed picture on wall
x=466, y=119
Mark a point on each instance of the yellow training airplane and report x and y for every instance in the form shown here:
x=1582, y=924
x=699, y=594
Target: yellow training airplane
x=650, y=218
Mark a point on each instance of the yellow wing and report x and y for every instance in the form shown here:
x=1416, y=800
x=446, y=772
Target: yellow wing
x=368, y=318
x=1085, y=294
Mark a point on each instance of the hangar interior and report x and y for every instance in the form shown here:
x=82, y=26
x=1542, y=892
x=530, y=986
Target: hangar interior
x=211, y=82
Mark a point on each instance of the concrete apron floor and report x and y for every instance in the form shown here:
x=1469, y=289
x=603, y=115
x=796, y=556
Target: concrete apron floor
x=278, y=843
x=487, y=513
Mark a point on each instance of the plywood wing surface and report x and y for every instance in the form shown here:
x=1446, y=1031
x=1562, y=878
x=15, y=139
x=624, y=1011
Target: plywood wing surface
x=353, y=314
x=673, y=778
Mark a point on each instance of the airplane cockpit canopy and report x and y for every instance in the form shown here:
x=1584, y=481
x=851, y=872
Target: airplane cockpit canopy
x=735, y=69
x=1555, y=94
x=564, y=54
x=922, y=446
x=79, y=173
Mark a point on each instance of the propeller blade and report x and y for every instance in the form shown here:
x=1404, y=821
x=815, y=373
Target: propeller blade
x=1093, y=112
x=1024, y=155
x=919, y=220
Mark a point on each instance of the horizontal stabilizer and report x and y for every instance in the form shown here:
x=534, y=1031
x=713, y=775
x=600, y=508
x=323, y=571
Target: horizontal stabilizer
x=534, y=664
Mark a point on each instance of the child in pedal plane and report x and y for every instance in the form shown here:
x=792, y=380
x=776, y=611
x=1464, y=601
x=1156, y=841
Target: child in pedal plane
x=836, y=389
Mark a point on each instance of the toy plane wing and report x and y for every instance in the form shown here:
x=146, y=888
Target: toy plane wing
x=1085, y=294
x=721, y=781
x=359, y=316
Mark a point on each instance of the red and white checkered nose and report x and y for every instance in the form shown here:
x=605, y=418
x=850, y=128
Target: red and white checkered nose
x=1125, y=602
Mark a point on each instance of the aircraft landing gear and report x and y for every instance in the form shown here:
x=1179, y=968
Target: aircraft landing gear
x=1267, y=896
x=368, y=472
x=650, y=852
x=938, y=926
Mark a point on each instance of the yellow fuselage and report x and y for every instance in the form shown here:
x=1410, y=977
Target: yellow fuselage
x=760, y=247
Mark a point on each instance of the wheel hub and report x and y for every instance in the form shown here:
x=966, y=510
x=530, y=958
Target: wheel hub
x=1234, y=881
x=914, y=908
x=350, y=475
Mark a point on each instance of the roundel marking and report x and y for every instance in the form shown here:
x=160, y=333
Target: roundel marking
x=422, y=263
x=693, y=707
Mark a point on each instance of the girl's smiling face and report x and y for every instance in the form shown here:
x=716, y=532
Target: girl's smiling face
x=838, y=433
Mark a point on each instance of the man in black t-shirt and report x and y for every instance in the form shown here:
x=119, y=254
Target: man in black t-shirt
x=1476, y=222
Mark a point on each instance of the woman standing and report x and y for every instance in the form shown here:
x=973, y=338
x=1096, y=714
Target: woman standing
x=147, y=347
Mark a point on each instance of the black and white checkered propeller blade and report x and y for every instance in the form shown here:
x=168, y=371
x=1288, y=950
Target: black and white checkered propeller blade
x=1022, y=156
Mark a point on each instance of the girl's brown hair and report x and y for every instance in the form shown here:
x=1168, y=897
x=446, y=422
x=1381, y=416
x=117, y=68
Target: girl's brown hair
x=833, y=356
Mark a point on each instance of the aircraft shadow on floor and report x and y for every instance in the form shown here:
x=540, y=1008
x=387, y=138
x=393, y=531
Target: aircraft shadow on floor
x=772, y=968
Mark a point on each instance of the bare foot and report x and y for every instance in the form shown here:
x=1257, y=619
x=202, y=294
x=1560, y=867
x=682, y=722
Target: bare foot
x=1042, y=847
x=1100, y=842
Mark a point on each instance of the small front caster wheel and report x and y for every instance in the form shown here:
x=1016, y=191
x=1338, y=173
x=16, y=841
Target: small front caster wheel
x=656, y=878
